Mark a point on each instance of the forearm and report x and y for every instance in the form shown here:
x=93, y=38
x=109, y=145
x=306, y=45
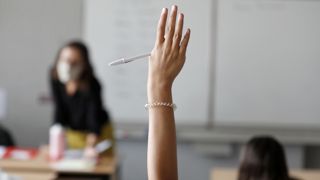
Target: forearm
x=162, y=155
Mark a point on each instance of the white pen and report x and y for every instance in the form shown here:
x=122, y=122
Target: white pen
x=126, y=60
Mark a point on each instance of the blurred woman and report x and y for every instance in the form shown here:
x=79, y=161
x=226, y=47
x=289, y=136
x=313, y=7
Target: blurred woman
x=77, y=99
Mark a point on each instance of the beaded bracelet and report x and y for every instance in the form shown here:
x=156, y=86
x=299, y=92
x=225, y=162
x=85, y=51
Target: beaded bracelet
x=158, y=104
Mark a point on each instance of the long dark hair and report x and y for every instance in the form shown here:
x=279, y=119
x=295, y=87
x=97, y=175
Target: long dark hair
x=87, y=74
x=263, y=159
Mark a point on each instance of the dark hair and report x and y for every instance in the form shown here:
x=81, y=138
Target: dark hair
x=87, y=74
x=263, y=159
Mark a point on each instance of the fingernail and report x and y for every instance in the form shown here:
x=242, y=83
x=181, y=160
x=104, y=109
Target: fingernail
x=181, y=15
x=174, y=7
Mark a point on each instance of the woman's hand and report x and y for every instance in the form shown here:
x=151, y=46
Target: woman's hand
x=90, y=153
x=169, y=53
x=166, y=61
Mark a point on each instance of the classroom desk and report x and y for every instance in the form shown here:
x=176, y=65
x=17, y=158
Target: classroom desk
x=231, y=174
x=40, y=169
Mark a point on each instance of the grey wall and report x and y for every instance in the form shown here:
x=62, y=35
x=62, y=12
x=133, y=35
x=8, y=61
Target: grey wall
x=30, y=34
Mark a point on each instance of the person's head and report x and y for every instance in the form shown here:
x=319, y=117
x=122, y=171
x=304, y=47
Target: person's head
x=72, y=63
x=263, y=159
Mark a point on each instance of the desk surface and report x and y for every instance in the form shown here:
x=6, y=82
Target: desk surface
x=231, y=174
x=106, y=165
x=40, y=166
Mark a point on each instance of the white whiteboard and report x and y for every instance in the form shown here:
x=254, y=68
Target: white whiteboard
x=117, y=28
x=268, y=63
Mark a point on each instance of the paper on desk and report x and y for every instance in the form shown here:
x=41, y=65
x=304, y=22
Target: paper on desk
x=3, y=103
x=73, y=158
x=5, y=176
x=103, y=146
x=73, y=154
x=78, y=153
x=74, y=165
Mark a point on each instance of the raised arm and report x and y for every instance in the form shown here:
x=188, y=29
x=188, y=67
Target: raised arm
x=166, y=61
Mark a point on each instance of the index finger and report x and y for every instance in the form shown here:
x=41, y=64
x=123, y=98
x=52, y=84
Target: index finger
x=161, y=26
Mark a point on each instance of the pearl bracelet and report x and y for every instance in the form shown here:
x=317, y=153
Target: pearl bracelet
x=158, y=104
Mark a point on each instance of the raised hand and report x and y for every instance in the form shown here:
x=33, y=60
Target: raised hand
x=169, y=53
